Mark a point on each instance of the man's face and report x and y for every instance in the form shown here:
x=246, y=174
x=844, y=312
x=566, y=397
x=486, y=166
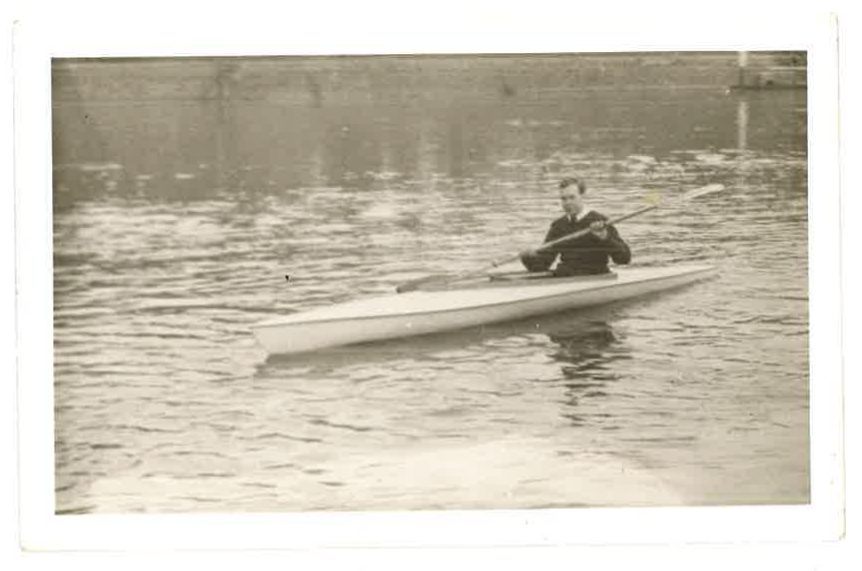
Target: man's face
x=572, y=199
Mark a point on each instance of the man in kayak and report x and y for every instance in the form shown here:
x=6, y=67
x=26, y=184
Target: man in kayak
x=586, y=255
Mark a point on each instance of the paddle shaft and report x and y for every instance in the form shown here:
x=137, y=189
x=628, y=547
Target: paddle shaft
x=413, y=284
x=574, y=235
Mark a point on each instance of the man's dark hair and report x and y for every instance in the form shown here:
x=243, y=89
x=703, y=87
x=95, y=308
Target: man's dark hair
x=570, y=180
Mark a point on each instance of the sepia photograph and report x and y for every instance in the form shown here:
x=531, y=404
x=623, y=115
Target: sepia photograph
x=427, y=292
x=430, y=282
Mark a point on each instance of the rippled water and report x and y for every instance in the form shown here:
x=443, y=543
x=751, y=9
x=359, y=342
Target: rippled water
x=175, y=223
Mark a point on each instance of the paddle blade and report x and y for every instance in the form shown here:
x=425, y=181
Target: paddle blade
x=427, y=281
x=702, y=191
x=653, y=198
x=413, y=285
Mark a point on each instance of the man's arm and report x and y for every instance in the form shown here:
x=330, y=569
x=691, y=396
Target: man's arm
x=617, y=248
x=541, y=261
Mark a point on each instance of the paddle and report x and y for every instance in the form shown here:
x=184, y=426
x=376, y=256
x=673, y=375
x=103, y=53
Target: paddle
x=442, y=279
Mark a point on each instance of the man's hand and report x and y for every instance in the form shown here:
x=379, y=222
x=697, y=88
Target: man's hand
x=599, y=229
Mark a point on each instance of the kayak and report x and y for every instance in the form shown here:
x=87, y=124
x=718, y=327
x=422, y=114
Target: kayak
x=491, y=299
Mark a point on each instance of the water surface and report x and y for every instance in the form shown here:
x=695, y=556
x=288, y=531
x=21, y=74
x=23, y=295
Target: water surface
x=176, y=221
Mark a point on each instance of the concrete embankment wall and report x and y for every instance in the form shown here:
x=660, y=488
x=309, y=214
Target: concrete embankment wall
x=322, y=81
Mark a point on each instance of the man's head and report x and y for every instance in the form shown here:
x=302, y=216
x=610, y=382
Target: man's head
x=572, y=191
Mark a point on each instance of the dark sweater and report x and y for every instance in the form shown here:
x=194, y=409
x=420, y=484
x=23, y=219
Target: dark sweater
x=585, y=255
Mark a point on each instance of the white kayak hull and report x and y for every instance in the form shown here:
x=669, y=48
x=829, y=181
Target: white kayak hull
x=422, y=312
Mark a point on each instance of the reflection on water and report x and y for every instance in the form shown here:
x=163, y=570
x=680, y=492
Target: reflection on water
x=588, y=352
x=176, y=221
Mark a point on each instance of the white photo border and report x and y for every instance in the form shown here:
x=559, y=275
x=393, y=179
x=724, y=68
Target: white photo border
x=41, y=529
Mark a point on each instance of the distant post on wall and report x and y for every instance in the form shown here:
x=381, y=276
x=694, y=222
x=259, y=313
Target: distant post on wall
x=743, y=64
x=742, y=125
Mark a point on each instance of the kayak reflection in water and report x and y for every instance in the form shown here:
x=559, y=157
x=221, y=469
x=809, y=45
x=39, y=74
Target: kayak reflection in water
x=586, y=255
